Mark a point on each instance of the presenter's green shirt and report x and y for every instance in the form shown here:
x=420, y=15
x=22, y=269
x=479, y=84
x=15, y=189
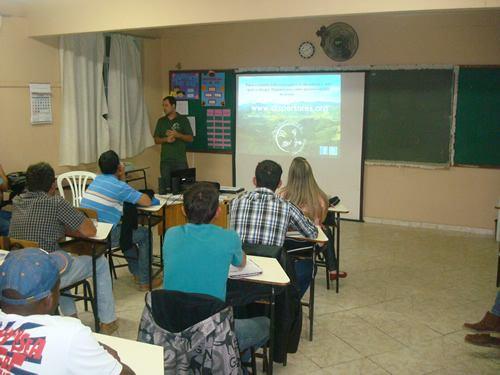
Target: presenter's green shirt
x=176, y=150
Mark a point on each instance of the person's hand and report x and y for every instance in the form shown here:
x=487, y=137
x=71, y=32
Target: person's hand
x=111, y=351
x=170, y=139
x=173, y=133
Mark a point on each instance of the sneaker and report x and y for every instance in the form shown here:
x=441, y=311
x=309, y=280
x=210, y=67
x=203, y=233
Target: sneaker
x=483, y=339
x=109, y=328
x=489, y=323
x=157, y=282
x=334, y=275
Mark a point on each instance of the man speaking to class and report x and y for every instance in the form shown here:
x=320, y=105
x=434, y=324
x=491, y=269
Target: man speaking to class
x=172, y=131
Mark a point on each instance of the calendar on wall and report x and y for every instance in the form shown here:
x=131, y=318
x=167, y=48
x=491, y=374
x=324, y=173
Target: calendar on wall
x=41, y=103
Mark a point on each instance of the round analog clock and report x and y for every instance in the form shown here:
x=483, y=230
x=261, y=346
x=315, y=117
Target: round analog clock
x=306, y=50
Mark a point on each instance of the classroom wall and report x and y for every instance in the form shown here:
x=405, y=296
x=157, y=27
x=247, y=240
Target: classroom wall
x=456, y=196
x=53, y=17
x=26, y=60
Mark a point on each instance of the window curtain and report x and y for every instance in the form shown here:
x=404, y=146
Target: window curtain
x=84, y=131
x=128, y=118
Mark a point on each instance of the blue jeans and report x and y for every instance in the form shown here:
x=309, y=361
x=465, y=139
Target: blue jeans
x=138, y=260
x=81, y=269
x=252, y=332
x=303, y=272
x=496, y=307
x=4, y=222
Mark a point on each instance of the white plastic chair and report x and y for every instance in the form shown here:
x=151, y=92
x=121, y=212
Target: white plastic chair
x=77, y=181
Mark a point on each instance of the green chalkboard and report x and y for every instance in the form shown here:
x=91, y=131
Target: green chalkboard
x=408, y=115
x=203, y=140
x=477, y=134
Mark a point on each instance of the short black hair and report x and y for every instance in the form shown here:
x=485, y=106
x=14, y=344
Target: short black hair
x=109, y=162
x=170, y=99
x=201, y=202
x=40, y=177
x=268, y=174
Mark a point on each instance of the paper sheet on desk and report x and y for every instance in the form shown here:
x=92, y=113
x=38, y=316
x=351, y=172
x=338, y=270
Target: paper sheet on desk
x=250, y=269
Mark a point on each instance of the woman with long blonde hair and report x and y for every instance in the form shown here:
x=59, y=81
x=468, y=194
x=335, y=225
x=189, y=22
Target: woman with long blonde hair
x=303, y=191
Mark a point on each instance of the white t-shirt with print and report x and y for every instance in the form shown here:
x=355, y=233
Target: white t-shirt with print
x=44, y=344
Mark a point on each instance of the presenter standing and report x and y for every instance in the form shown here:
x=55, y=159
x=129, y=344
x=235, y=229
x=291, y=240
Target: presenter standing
x=172, y=131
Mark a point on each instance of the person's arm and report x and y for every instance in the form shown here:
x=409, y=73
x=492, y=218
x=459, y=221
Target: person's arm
x=160, y=140
x=77, y=225
x=3, y=179
x=144, y=200
x=178, y=135
x=125, y=369
x=239, y=256
x=301, y=223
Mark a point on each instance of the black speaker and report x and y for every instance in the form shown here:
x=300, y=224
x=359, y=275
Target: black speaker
x=176, y=185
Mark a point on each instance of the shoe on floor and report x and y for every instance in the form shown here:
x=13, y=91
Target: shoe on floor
x=157, y=282
x=334, y=275
x=489, y=323
x=109, y=328
x=483, y=339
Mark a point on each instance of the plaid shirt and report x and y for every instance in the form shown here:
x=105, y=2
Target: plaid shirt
x=38, y=216
x=261, y=217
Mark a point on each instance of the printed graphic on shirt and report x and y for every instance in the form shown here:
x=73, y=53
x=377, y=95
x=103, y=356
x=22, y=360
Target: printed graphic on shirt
x=18, y=349
x=176, y=126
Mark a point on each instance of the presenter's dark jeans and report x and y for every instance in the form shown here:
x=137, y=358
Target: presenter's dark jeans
x=166, y=169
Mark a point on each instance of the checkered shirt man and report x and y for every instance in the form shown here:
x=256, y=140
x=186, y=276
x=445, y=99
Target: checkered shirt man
x=38, y=216
x=261, y=217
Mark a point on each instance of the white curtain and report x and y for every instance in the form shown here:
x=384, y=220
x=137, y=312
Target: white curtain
x=128, y=118
x=84, y=130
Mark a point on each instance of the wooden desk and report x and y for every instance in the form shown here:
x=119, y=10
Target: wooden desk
x=320, y=239
x=338, y=210
x=101, y=237
x=144, y=359
x=157, y=212
x=273, y=275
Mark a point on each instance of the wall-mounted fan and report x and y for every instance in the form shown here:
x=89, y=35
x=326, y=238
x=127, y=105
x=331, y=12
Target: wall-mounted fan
x=339, y=41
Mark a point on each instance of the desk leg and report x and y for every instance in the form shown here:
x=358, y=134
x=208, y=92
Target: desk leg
x=271, y=333
x=94, y=284
x=150, y=253
x=337, y=221
x=145, y=181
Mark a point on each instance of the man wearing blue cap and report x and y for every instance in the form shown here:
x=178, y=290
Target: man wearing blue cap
x=32, y=341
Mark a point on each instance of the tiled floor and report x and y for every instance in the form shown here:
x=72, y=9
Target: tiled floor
x=400, y=310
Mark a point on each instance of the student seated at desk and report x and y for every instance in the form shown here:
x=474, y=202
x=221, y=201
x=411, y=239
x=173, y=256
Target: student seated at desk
x=197, y=256
x=303, y=191
x=262, y=217
x=42, y=216
x=4, y=215
x=106, y=195
x=34, y=342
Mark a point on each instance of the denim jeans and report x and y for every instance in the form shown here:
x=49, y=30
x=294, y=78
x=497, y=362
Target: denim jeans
x=4, y=222
x=496, y=307
x=137, y=267
x=303, y=272
x=81, y=269
x=253, y=332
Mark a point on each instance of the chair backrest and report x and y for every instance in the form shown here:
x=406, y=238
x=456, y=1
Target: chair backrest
x=209, y=346
x=77, y=181
x=268, y=251
x=9, y=243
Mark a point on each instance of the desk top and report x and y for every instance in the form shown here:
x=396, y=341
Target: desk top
x=339, y=208
x=103, y=230
x=156, y=207
x=322, y=238
x=272, y=272
x=143, y=358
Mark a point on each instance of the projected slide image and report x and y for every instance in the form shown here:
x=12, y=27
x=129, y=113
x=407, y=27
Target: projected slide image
x=290, y=114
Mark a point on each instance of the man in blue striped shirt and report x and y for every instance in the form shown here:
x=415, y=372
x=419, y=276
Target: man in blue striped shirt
x=106, y=195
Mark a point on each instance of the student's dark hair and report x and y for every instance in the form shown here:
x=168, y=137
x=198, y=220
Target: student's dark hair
x=109, y=162
x=40, y=177
x=170, y=99
x=201, y=202
x=268, y=174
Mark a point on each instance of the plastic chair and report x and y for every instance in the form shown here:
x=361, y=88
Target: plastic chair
x=77, y=181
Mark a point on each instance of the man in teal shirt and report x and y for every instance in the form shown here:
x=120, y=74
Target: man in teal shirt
x=197, y=256
x=172, y=132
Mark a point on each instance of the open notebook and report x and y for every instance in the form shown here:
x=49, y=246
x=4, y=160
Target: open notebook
x=250, y=269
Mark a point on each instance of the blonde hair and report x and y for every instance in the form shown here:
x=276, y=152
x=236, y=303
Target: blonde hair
x=303, y=191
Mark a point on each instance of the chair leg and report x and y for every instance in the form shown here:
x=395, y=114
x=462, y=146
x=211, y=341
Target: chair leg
x=253, y=361
x=311, y=301
x=85, y=296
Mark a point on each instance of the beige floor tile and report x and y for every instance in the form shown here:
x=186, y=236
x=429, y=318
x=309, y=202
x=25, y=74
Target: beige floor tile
x=328, y=351
x=357, y=367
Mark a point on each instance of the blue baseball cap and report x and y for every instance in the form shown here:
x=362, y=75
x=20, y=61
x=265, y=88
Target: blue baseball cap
x=32, y=273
